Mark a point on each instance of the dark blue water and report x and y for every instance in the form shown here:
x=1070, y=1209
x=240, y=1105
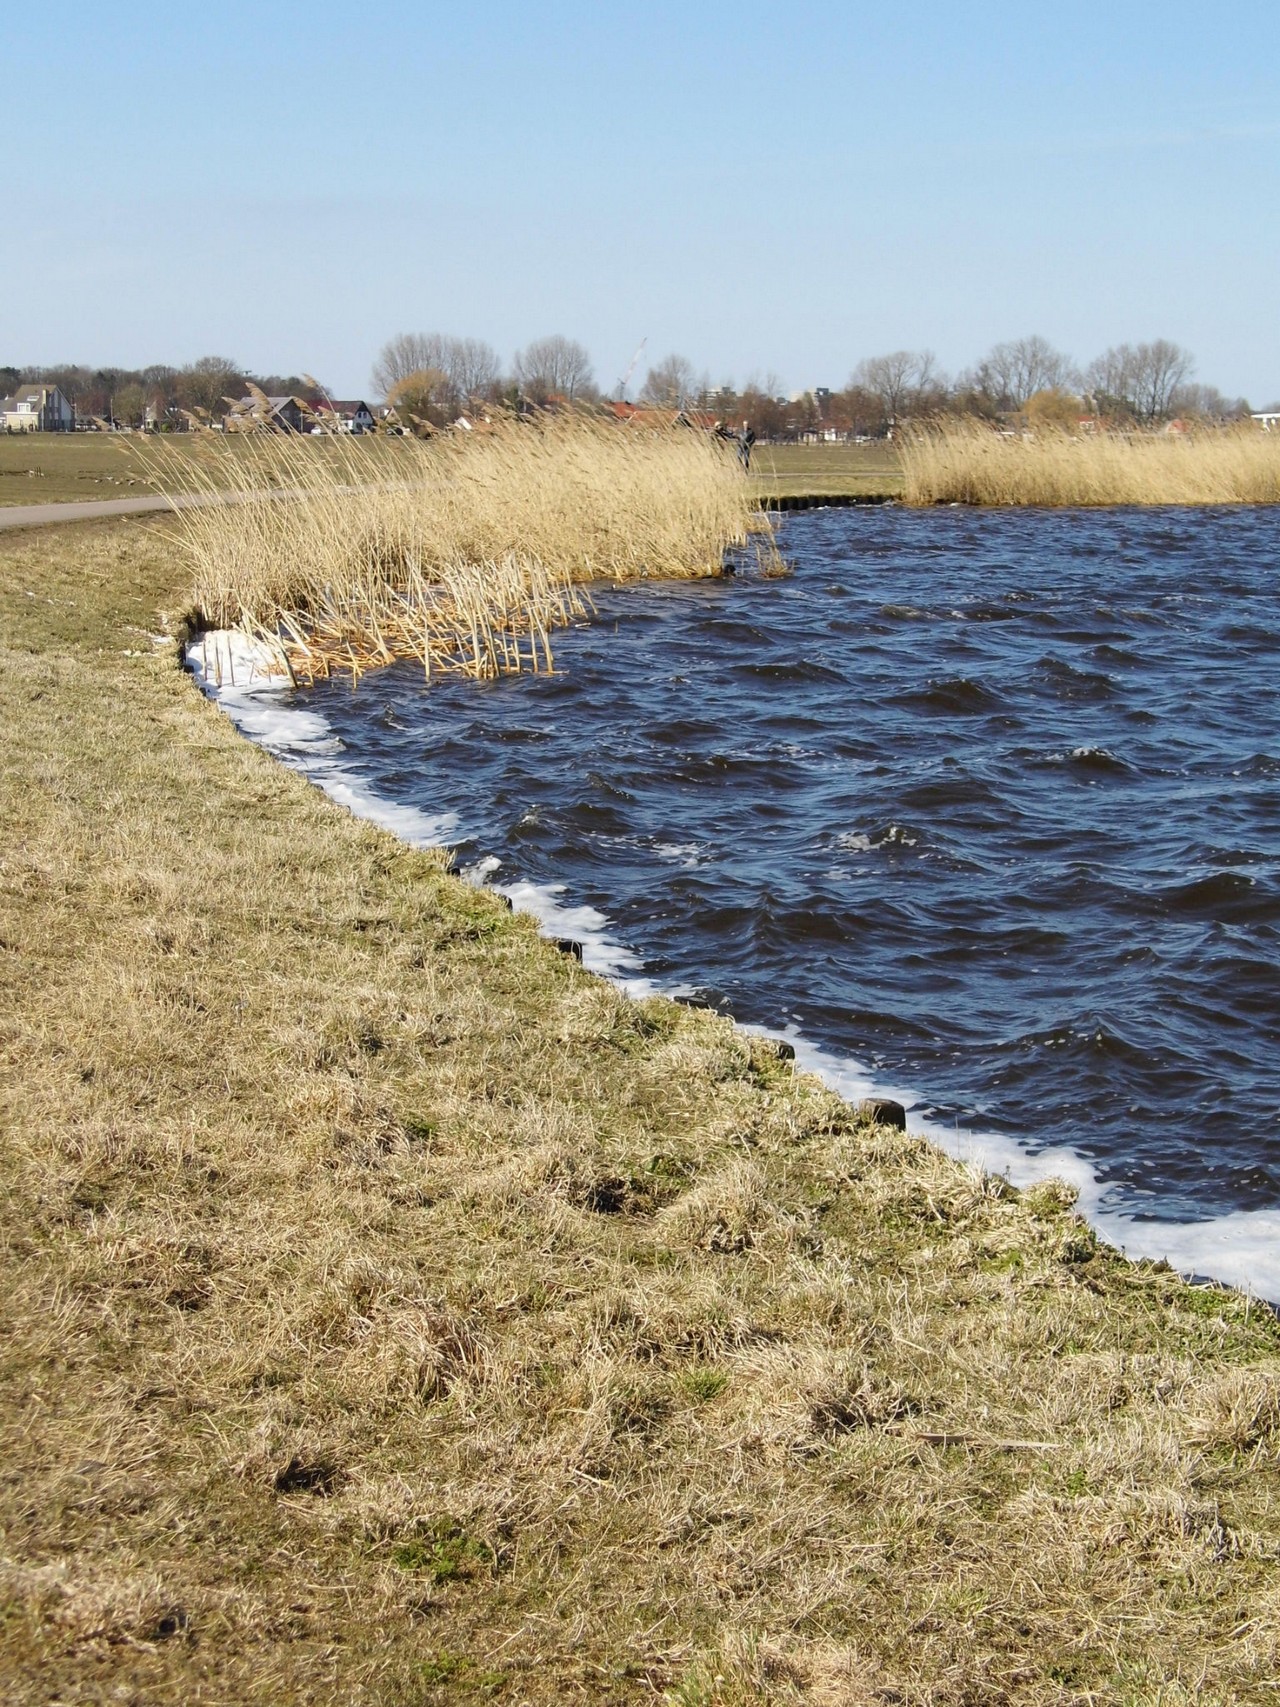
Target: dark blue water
x=989, y=801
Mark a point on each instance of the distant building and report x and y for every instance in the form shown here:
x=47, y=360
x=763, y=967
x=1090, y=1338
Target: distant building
x=299, y=415
x=333, y=414
x=270, y=414
x=650, y=415
x=37, y=409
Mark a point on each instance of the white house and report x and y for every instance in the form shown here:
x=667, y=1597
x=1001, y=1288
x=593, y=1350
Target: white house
x=37, y=409
x=351, y=415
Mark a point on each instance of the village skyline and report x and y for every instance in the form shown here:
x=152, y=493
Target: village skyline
x=433, y=378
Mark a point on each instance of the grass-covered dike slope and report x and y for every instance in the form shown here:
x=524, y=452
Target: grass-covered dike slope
x=393, y=1313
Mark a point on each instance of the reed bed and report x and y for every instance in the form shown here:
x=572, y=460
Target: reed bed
x=967, y=462
x=465, y=552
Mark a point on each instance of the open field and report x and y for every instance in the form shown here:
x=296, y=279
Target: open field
x=395, y=1314
x=787, y=471
x=49, y=468
x=58, y=468
x=966, y=462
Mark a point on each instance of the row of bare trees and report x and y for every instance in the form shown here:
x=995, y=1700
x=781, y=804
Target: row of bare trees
x=1141, y=383
x=436, y=376
x=433, y=376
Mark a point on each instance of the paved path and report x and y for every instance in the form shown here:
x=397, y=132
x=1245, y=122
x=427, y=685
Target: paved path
x=97, y=509
x=94, y=509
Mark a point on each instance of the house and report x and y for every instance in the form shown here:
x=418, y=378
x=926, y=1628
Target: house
x=37, y=409
x=335, y=415
x=270, y=414
x=651, y=415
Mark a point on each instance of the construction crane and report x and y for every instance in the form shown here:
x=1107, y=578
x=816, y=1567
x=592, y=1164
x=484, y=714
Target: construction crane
x=626, y=378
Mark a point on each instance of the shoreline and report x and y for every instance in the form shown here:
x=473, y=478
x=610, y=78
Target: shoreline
x=1234, y=1248
x=395, y=1311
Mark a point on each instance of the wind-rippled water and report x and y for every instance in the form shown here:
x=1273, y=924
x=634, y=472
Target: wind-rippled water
x=986, y=801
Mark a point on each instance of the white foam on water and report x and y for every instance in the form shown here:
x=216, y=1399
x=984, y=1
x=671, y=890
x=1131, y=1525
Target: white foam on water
x=1239, y=1248
x=686, y=854
x=582, y=924
x=246, y=681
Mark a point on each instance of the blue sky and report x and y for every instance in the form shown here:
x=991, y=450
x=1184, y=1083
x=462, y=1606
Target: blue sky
x=762, y=187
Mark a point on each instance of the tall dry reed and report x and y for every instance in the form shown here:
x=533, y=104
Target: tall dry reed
x=464, y=551
x=968, y=462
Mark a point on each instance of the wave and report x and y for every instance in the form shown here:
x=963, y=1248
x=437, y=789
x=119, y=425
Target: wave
x=956, y=694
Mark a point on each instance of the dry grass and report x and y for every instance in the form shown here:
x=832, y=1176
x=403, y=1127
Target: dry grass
x=452, y=550
x=966, y=462
x=396, y=1314
x=49, y=468
x=826, y=470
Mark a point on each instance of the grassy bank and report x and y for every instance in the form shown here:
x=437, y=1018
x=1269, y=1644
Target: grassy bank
x=967, y=462
x=394, y=1314
x=60, y=468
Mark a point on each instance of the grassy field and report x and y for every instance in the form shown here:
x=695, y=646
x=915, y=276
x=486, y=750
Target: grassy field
x=59, y=468
x=395, y=1314
x=51, y=468
x=826, y=470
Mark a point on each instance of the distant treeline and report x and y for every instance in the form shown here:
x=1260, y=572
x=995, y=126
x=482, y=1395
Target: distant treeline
x=1142, y=384
x=434, y=377
x=157, y=395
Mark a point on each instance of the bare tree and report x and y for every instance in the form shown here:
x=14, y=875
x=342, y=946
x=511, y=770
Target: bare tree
x=1015, y=371
x=1207, y=403
x=472, y=366
x=1140, y=379
x=406, y=353
x=205, y=383
x=1109, y=378
x=1161, y=368
x=862, y=408
x=761, y=406
x=670, y=382
x=468, y=366
x=554, y=367
x=897, y=380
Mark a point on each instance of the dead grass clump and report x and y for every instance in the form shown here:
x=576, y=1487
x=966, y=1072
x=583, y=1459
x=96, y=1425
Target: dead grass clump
x=94, y=1609
x=730, y=1211
x=465, y=552
x=967, y=462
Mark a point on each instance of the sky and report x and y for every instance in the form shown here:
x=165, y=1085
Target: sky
x=764, y=188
